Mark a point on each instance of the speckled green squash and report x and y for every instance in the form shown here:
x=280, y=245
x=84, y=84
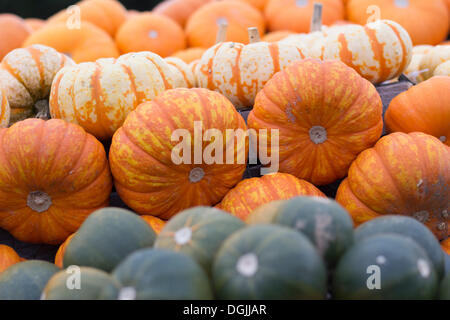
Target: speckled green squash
x=444, y=291
x=198, y=232
x=26, y=280
x=89, y=286
x=106, y=238
x=402, y=267
x=268, y=262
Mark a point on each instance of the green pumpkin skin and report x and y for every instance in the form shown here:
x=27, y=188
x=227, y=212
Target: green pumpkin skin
x=107, y=237
x=405, y=271
x=198, y=233
x=26, y=280
x=91, y=283
x=444, y=290
x=268, y=262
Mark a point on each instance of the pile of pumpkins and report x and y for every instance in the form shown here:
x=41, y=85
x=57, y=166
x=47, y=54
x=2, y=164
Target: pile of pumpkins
x=64, y=98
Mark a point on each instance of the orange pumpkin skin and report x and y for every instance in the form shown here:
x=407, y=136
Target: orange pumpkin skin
x=446, y=245
x=203, y=25
x=59, y=257
x=88, y=43
x=326, y=115
x=13, y=32
x=155, y=223
x=432, y=14
x=406, y=174
x=146, y=177
x=35, y=24
x=189, y=55
x=251, y=193
x=295, y=15
x=8, y=257
x=258, y=4
x=423, y=108
x=50, y=181
x=276, y=36
x=179, y=10
x=108, y=15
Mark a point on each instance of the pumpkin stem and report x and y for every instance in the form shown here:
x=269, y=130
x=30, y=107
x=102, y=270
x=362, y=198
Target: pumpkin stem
x=318, y=134
x=39, y=201
x=196, y=175
x=222, y=33
x=43, y=109
x=316, y=21
x=253, y=35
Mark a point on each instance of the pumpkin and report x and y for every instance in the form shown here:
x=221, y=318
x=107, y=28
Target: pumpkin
x=240, y=71
x=408, y=227
x=8, y=257
x=406, y=174
x=183, y=75
x=87, y=43
x=150, y=32
x=61, y=251
x=203, y=26
x=276, y=36
x=108, y=15
x=424, y=108
x=444, y=291
x=401, y=265
x=443, y=69
x=156, y=174
x=268, y=262
x=26, y=76
x=295, y=15
x=433, y=59
x=26, y=280
x=99, y=96
x=323, y=123
x=413, y=70
x=5, y=110
x=258, y=4
x=92, y=282
x=251, y=193
x=190, y=54
x=155, y=223
x=13, y=32
x=125, y=232
x=179, y=10
x=432, y=14
x=50, y=181
x=198, y=233
x=446, y=246
x=156, y=274
x=34, y=23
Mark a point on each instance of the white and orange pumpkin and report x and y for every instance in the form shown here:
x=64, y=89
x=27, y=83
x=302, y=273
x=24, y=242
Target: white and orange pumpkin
x=5, y=111
x=183, y=74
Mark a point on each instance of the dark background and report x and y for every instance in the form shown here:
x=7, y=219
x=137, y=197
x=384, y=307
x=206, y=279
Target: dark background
x=45, y=8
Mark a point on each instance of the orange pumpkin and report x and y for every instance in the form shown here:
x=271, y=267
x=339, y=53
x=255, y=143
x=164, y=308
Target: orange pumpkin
x=179, y=10
x=446, y=245
x=150, y=32
x=88, y=43
x=5, y=110
x=427, y=21
x=203, y=25
x=258, y=4
x=295, y=15
x=406, y=174
x=8, y=257
x=276, y=36
x=424, y=108
x=52, y=176
x=190, y=54
x=108, y=15
x=157, y=170
x=26, y=75
x=61, y=251
x=34, y=23
x=13, y=32
x=183, y=75
x=155, y=223
x=325, y=113
x=252, y=193
x=99, y=96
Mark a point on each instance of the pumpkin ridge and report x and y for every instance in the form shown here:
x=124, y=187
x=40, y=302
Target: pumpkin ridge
x=404, y=51
x=36, y=55
x=19, y=79
x=161, y=72
x=139, y=96
x=378, y=51
x=98, y=97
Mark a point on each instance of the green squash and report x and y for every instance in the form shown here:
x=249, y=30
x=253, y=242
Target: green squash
x=444, y=291
x=408, y=227
x=157, y=274
x=268, y=262
x=198, y=232
x=385, y=267
x=106, y=238
x=447, y=263
x=26, y=280
x=88, y=286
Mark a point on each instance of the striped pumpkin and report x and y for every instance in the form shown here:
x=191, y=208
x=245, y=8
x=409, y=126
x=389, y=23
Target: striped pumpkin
x=252, y=193
x=434, y=58
x=443, y=69
x=413, y=70
x=4, y=110
x=183, y=74
x=99, y=96
x=26, y=76
x=240, y=71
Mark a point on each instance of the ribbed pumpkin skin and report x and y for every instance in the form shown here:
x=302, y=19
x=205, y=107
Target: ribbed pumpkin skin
x=276, y=36
x=295, y=15
x=99, y=96
x=406, y=174
x=147, y=179
x=433, y=59
x=8, y=257
x=423, y=108
x=443, y=69
x=155, y=223
x=5, y=110
x=179, y=10
x=86, y=44
x=183, y=74
x=13, y=32
x=251, y=193
x=446, y=246
x=61, y=251
x=34, y=23
x=309, y=95
x=57, y=160
x=26, y=76
x=240, y=71
x=432, y=14
x=190, y=54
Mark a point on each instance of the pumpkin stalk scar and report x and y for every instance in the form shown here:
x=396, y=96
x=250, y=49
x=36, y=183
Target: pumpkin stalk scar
x=318, y=134
x=196, y=175
x=39, y=201
x=421, y=216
